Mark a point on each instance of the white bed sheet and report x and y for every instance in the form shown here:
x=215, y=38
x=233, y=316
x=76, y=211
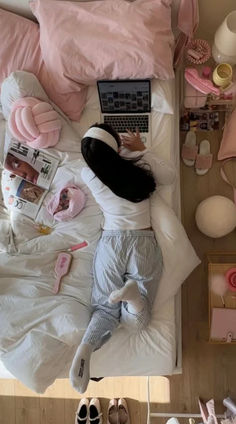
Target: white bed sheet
x=155, y=352
x=158, y=344
x=152, y=352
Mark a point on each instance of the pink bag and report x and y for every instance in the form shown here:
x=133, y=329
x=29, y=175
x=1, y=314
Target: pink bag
x=67, y=203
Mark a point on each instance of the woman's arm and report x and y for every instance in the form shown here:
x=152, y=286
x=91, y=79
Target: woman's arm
x=163, y=171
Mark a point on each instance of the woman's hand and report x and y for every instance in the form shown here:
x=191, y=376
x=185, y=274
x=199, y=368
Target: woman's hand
x=132, y=141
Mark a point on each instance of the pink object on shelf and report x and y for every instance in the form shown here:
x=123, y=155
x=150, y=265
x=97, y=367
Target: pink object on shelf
x=198, y=52
x=61, y=268
x=206, y=72
x=231, y=279
x=223, y=324
x=203, y=85
x=193, y=98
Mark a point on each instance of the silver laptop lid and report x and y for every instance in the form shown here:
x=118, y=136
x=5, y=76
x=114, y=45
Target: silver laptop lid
x=125, y=96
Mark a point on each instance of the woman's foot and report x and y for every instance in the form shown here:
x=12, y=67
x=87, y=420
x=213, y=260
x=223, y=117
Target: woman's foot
x=80, y=368
x=130, y=294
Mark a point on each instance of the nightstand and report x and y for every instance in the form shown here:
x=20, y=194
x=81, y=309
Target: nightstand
x=218, y=263
x=204, y=112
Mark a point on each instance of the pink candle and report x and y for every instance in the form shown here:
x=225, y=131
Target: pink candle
x=231, y=279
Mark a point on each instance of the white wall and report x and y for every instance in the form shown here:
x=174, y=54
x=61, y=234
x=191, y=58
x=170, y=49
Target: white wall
x=212, y=13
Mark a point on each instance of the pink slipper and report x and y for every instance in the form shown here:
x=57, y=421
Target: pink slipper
x=204, y=158
x=189, y=149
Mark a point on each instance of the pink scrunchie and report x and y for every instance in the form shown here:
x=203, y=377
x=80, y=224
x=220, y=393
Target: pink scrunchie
x=77, y=201
x=34, y=122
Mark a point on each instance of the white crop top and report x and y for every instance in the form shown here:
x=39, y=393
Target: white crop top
x=119, y=213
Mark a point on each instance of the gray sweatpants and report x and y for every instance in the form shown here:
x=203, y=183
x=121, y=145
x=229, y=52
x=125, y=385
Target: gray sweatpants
x=122, y=255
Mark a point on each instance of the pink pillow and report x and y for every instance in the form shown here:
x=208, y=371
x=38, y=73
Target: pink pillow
x=109, y=39
x=19, y=46
x=34, y=122
x=20, y=50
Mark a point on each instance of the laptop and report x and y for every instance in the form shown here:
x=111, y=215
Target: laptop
x=126, y=104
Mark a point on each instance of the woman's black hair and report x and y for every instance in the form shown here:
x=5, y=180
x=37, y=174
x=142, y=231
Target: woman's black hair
x=124, y=177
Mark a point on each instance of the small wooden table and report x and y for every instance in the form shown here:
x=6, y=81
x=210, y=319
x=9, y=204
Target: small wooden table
x=219, y=263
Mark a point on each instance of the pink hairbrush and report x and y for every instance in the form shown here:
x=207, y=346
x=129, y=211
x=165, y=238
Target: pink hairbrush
x=61, y=269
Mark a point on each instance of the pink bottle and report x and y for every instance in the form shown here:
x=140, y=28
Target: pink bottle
x=61, y=269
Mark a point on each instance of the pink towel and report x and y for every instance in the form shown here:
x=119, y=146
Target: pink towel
x=34, y=122
x=188, y=19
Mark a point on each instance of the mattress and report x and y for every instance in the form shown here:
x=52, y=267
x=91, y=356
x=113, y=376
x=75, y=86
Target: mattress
x=40, y=331
x=158, y=344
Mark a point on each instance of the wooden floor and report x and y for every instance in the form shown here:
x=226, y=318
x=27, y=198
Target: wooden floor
x=208, y=370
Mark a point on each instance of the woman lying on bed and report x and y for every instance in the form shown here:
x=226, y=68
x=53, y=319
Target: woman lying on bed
x=128, y=259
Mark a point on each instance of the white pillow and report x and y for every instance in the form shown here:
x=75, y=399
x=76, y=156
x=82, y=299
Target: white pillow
x=161, y=101
x=162, y=96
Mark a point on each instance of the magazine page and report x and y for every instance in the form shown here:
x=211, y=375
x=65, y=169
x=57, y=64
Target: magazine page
x=21, y=195
x=33, y=165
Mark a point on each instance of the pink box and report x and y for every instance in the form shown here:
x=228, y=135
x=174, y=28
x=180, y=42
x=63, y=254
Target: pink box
x=223, y=325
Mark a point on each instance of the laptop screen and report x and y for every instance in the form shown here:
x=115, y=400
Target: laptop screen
x=125, y=96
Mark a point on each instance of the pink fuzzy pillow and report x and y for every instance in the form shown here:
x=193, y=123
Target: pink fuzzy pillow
x=86, y=41
x=34, y=122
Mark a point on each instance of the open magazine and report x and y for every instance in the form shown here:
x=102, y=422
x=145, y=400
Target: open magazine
x=29, y=176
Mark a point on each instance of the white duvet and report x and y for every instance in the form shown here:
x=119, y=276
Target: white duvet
x=39, y=331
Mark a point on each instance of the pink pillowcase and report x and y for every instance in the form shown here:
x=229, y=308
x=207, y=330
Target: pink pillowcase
x=20, y=50
x=19, y=46
x=109, y=39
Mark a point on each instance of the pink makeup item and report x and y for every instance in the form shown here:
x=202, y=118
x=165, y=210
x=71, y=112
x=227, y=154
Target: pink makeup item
x=77, y=246
x=61, y=269
x=203, y=85
x=231, y=279
x=206, y=72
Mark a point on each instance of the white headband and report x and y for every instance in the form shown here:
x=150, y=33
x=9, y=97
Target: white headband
x=102, y=135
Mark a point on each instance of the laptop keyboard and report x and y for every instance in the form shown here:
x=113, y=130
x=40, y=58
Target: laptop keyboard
x=121, y=123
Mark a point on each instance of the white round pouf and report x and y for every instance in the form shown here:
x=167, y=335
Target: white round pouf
x=216, y=216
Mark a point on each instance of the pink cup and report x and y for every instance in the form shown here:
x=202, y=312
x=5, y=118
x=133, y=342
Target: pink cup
x=231, y=279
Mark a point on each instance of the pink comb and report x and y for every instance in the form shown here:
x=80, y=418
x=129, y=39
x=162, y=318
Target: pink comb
x=203, y=85
x=61, y=269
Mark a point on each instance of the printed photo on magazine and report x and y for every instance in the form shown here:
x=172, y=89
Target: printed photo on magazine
x=32, y=165
x=28, y=174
